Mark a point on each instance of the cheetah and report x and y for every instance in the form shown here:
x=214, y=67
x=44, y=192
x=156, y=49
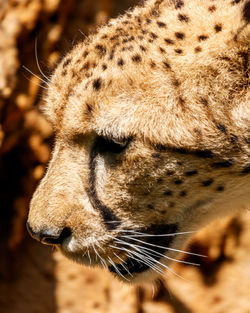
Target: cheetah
x=152, y=123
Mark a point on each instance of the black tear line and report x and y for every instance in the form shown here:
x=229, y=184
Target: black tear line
x=111, y=221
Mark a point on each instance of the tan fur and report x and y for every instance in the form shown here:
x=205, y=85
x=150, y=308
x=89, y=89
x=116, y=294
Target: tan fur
x=174, y=77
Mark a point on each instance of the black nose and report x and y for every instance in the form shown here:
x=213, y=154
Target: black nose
x=50, y=236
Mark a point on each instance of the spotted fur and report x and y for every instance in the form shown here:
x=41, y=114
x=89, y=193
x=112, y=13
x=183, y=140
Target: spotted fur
x=152, y=121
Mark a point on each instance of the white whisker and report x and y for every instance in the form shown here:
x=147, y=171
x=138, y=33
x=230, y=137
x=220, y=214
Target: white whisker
x=90, y=261
x=38, y=65
x=141, y=259
x=157, y=253
x=166, y=248
x=116, y=269
x=123, y=264
x=28, y=70
x=139, y=234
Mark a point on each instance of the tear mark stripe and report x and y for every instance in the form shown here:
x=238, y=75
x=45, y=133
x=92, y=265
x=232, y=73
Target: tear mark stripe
x=111, y=221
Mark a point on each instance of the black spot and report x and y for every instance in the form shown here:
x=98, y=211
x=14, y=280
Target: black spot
x=179, y=4
x=178, y=181
x=181, y=101
x=136, y=58
x=169, y=41
x=204, y=101
x=235, y=2
x=168, y=193
x=155, y=13
x=120, y=62
x=246, y=12
x=66, y=62
x=152, y=64
x=191, y=173
x=212, y=8
x=97, y=84
x=89, y=108
x=218, y=28
x=246, y=170
x=162, y=50
x=114, y=37
x=220, y=188
x=179, y=35
x=183, y=193
x=104, y=36
x=148, y=21
x=85, y=53
x=161, y=24
x=131, y=38
x=150, y=206
x=153, y=35
x=160, y=147
x=197, y=49
x=208, y=182
x=179, y=51
x=233, y=138
x=142, y=48
x=64, y=73
x=104, y=67
x=85, y=66
x=183, y=18
x=223, y=164
x=221, y=127
x=170, y=173
x=166, y=65
x=202, y=37
x=206, y=154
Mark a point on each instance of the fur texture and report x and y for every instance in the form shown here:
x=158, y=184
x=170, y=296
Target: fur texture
x=152, y=121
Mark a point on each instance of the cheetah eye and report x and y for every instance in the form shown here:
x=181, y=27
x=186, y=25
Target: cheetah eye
x=114, y=145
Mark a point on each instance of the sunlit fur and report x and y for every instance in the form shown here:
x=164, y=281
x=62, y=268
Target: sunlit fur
x=171, y=78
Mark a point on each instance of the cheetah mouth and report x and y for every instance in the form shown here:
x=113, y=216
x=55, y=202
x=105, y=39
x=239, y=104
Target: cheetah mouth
x=144, y=248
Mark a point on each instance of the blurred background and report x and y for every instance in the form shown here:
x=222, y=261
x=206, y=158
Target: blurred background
x=36, y=278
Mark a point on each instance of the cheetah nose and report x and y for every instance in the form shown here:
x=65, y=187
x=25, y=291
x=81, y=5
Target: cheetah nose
x=50, y=236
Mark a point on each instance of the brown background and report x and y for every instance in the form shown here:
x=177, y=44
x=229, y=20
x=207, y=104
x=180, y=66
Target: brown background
x=37, y=279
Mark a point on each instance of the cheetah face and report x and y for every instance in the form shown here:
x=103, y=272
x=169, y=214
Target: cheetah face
x=144, y=153
x=115, y=197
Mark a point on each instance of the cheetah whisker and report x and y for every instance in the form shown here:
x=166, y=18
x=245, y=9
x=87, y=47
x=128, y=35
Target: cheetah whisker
x=135, y=246
x=46, y=83
x=138, y=234
x=167, y=248
x=38, y=65
x=104, y=264
x=122, y=264
x=90, y=261
x=132, y=255
x=116, y=269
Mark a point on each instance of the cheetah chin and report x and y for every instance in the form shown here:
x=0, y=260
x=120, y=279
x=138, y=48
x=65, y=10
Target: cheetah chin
x=152, y=122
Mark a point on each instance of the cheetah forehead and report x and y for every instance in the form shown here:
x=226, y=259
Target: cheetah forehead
x=152, y=67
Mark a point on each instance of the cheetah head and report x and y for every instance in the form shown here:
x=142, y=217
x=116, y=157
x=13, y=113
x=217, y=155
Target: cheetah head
x=148, y=147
